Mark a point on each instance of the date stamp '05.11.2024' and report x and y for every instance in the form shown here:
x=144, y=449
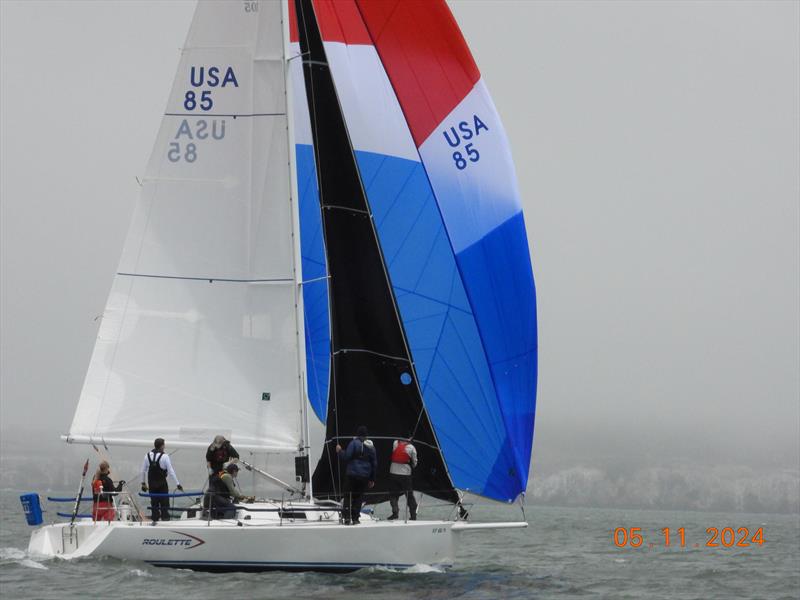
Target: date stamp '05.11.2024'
x=727, y=537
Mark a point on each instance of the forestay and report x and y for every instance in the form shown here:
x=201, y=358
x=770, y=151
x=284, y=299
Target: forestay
x=200, y=335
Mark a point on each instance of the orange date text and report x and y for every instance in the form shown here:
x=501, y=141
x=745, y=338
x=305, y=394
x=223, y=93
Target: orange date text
x=727, y=537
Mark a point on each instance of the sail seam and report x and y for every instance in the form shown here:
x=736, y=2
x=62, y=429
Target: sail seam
x=430, y=298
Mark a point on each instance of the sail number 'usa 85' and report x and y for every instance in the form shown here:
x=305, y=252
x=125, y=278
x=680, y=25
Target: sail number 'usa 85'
x=466, y=131
x=184, y=146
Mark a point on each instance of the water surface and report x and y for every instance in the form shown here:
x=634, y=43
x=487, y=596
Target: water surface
x=565, y=553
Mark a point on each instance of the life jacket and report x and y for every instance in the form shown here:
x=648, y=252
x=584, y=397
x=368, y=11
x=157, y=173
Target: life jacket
x=399, y=454
x=102, y=509
x=100, y=486
x=97, y=489
x=156, y=476
x=217, y=486
x=220, y=455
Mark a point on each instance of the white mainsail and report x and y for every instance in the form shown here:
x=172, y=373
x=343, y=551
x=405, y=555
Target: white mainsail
x=200, y=334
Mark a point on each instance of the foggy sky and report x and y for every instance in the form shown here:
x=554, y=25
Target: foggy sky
x=657, y=148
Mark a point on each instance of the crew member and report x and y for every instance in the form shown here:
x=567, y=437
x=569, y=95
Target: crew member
x=219, y=452
x=362, y=464
x=155, y=469
x=103, y=493
x=221, y=490
x=404, y=459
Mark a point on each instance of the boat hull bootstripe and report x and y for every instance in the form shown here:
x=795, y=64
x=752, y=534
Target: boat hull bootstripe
x=213, y=565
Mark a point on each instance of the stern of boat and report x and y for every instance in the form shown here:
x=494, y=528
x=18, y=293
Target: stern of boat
x=66, y=541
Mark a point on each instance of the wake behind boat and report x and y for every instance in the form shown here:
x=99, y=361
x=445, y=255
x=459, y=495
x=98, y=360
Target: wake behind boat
x=329, y=235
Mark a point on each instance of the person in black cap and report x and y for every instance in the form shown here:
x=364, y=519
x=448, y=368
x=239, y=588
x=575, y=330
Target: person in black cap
x=362, y=464
x=155, y=469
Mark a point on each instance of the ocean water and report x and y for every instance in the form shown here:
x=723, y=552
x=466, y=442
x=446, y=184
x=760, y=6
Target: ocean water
x=564, y=553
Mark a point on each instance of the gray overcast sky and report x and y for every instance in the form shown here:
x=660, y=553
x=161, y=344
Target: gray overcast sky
x=657, y=147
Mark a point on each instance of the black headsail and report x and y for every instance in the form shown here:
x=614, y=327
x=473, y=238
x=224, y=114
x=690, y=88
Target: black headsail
x=373, y=381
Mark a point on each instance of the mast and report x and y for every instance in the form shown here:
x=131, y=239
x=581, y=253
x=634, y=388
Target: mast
x=373, y=379
x=305, y=449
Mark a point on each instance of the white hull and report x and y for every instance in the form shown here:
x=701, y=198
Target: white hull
x=263, y=542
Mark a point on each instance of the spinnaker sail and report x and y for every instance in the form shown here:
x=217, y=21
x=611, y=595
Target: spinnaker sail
x=437, y=171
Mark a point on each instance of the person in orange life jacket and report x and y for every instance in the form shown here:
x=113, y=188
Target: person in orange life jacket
x=219, y=452
x=155, y=468
x=404, y=459
x=102, y=493
x=362, y=464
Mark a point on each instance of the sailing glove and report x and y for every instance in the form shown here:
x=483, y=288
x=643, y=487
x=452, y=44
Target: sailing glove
x=144, y=486
x=179, y=487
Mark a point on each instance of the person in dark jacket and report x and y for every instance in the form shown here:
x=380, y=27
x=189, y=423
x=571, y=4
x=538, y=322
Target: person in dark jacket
x=228, y=477
x=155, y=469
x=103, y=493
x=222, y=493
x=362, y=464
x=219, y=452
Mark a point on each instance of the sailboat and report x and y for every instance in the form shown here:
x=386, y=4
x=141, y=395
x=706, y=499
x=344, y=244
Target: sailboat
x=329, y=235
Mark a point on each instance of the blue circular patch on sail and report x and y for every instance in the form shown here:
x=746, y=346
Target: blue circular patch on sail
x=405, y=378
